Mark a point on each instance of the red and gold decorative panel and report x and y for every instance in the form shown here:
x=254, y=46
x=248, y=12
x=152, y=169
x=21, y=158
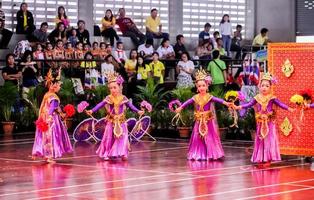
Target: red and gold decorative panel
x=298, y=58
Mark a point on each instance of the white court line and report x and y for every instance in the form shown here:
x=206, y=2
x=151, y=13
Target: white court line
x=162, y=182
x=299, y=185
x=276, y=193
x=245, y=189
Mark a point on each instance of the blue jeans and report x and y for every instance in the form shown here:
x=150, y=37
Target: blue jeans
x=150, y=35
x=227, y=43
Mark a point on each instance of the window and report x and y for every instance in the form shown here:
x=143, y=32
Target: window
x=198, y=12
x=43, y=11
x=137, y=10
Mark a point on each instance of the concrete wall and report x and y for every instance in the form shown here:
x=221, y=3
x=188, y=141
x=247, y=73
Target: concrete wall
x=278, y=16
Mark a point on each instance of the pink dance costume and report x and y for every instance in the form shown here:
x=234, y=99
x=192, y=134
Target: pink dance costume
x=205, y=142
x=54, y=142
x=115, y=142
x=266, y=145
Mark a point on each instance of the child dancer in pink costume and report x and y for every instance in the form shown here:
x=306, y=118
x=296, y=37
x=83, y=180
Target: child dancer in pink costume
x=53, y=141
x=266, y=147
x=115, y=142
x=205, y=142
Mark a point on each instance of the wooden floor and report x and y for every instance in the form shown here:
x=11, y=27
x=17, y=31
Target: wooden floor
x=155, y=170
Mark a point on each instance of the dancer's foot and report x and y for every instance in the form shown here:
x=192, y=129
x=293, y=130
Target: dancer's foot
x=267, y=164
x=106, y=158
x=124, y=158
x=50, y=160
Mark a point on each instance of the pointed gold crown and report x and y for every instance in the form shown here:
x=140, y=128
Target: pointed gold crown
x=267, y=76
x=200, y=74
x=53, y=75
x=112, y=76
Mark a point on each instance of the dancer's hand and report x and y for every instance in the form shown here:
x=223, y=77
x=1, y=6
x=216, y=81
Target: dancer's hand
x=237, y=107
x=178, y=110
x=89, y=112
x=141, y=112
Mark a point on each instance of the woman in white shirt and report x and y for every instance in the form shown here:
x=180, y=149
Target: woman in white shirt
x=165, y=50
x=225, y=29
x=185, y=68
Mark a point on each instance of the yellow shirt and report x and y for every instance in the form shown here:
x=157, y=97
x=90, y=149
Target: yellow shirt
x=130, y=65
x=88, y=64
x=143, y=72
x=152, y=24
x=108, y=23
x=259, y=40
x=157, y=69
x=25, y=20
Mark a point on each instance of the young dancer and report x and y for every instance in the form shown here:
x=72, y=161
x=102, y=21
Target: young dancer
x=205, y=142
x=51, y=139
x=115, y=142
x=266, y=146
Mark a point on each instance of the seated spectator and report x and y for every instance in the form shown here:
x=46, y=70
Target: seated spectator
x=129, y=29
x=143, y=71
x=216, y=35
x=236, y=42
x=108, y=23
x=102, y=51
x=152, y=23
x=220, y=47
x=260, y=40
x=146, y=50
x=185, y=68
x=58, y=33
x=165, y=50
x=82, y=33
x=25, y=21
x=38, y=54
x=78, y=53
x=157, y=68
x=29, y=72
x=107, y=66
x=69, y=51
x=130, y=65
x=59, y=53
x=40, y=35
x=204, y=35
x=109, y=49
x=11, y=73
x=179, y=47
x=62, y=17
x=73, y=39
x=86, y=48
x=217, y=68
x=203, y=51
x=119, y=53
x=95, y=50
x=91, y=73
x=5, y=35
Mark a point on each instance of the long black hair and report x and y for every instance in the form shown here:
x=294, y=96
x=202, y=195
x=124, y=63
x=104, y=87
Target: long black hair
x=106, y=18
x=59, y=15
x=26, y=54
x=137, y=64
x=222, y=20
x=7, y=58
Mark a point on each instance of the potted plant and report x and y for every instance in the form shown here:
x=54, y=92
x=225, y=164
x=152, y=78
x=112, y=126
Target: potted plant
x=185, y=119
x=155, y=96
x=8, y=96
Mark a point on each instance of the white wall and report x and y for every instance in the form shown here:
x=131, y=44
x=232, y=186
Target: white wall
x=279, y=17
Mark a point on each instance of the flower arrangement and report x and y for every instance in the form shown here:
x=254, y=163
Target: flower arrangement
x=41, y=125
x=297, y=99
x=82, y=106
x=69, y=110
x=232, y=96
x=147, y=106
x=173, y=105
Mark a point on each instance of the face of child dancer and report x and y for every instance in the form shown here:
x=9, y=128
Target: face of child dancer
x=265, y=87
x=201, y=87
x=114, y=88
x=56, y=87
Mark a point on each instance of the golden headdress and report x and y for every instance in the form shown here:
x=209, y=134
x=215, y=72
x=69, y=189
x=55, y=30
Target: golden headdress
x=201, y=74
x=268, y=77
x=53, y=76
x=114, y=77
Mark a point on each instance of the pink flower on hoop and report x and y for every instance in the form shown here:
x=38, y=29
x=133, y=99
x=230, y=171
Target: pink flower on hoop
x=147, y=106
x=173, y=103
x=82, y=106
x=274, y=80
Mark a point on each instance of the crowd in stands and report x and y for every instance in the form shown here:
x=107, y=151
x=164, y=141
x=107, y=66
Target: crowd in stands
x=66, y=42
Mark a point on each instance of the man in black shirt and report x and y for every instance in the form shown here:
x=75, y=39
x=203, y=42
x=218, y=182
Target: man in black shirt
x=11, y=73
x=82, y=33
x=5, y=35
x=179, y=47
